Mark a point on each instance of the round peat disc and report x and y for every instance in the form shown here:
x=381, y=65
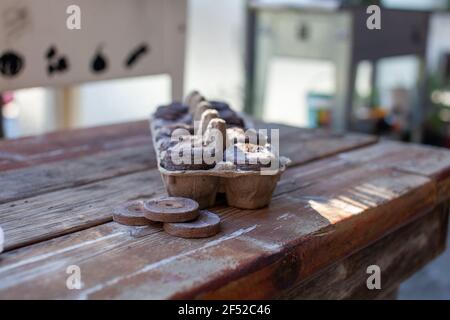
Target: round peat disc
x=131, y=214
x=171, y=209
x=206, y=225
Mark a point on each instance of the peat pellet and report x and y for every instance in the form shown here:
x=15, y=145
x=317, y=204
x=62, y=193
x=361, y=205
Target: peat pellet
x=206, y=225
x=131, y=214
x=171, y=209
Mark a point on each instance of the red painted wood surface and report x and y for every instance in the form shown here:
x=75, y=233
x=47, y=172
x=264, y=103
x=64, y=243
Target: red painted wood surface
x=45, y=148
x=342, y=194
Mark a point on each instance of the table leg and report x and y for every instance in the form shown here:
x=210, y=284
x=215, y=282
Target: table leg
x=346, y=68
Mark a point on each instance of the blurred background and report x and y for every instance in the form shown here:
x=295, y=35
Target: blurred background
x=303, y=63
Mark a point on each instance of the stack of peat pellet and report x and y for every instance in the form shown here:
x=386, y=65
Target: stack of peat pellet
x=177, y=216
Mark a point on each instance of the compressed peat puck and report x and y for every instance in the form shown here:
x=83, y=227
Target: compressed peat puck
x=206, y=225
x=171, y=209
x=131, y=214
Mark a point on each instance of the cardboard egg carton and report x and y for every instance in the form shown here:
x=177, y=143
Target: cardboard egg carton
x=246, y=184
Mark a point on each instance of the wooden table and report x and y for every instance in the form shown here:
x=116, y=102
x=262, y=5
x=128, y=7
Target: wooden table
x=346, y=203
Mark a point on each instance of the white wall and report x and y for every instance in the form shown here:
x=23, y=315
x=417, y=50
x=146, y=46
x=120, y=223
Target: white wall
x=216, y=49
x=214, y=65
x=121, y=100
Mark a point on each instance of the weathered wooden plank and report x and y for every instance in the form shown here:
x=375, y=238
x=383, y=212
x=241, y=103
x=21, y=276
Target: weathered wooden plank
x=91, y=204
x=52, y=214
x=303, y=145
x=62, y=145
x=306, y=175
x=35, y=180
x=320, y=147
x=398, y=255
x=66, y=144
x=257, y=254
x=308, y=215
x=30, y=151
x=36, y=210
x=418, y=159
x=354, y=218
x=32, y=181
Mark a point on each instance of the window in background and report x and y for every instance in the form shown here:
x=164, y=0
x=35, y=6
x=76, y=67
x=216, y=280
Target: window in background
x=216, y=49
x=297, y=88
x=386, y=106
x=121, y=100
x=397, y=73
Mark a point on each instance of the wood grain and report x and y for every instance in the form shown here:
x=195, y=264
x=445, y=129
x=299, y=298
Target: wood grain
x=92, y=204
x=322, y=212
x=353, y=218
x=28, y=192
x=37, y=210
x=398, y=255
x=69, y=144
x=303, y=145
x=79, y=170
x=257, y=254
x=418, y=159
x=31, y=181
x=56, y=213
